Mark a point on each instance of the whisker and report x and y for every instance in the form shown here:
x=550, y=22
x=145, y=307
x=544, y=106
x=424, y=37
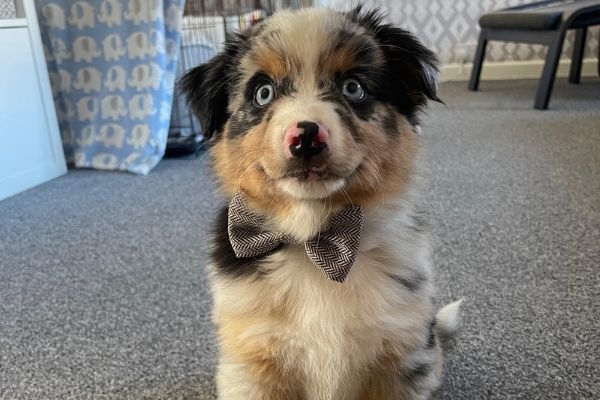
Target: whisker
x=346, y=196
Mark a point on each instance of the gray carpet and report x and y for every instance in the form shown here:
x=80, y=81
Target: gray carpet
x=103, y=293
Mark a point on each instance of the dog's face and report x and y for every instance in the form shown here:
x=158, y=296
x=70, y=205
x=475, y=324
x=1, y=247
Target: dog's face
x=314, y=105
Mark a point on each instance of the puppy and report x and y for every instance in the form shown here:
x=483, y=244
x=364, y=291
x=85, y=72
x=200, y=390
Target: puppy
x=321, y=270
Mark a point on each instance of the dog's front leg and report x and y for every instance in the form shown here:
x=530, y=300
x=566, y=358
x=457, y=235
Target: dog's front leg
x=394, y=381
x=252, y=380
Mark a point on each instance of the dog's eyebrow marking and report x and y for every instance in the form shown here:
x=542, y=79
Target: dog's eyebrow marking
x=267, y=59
x=350, y=50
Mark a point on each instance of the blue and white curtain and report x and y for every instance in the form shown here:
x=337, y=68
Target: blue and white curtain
x=112, y=66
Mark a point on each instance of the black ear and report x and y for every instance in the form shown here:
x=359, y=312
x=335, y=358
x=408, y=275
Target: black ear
x=206, y=90
x=409, y=60
x=412, y=69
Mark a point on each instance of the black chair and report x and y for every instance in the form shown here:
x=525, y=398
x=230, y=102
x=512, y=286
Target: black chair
x=543, y=22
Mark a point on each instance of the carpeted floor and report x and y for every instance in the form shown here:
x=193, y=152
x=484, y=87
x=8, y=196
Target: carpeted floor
x=103, y=293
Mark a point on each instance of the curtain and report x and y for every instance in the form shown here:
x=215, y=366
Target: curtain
x=112, y=66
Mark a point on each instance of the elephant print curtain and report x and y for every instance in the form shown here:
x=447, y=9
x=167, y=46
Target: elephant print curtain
x=112, y=70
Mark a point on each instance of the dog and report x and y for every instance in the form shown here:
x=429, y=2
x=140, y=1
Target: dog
x=320, y=268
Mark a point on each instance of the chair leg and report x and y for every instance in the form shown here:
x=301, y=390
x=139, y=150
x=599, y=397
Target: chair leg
x=577, y=57
x=542, y=97
x=478, y=61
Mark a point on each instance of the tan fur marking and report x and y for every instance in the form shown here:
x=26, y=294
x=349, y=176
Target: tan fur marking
x=387, y=170
x=346, y=58
x=341, y=60
x=237, y=163
x=269, y=61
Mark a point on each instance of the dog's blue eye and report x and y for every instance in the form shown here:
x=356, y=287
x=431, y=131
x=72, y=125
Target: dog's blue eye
x=352, y=89
x=264, y=94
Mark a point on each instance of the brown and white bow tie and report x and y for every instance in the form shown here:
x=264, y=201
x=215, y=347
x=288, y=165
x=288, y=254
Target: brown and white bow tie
x=333, y=250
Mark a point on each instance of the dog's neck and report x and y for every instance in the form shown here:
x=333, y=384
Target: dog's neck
x=304, y=219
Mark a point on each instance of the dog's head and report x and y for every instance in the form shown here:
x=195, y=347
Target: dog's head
x=314, y=105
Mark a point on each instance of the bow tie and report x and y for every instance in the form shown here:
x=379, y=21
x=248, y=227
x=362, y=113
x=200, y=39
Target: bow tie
x=333, y=250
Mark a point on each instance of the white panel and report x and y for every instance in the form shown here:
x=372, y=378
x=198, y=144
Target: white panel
x=22, y=111
x=30, y=151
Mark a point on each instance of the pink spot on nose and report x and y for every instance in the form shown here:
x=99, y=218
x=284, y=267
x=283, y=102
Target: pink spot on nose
x=305, y=139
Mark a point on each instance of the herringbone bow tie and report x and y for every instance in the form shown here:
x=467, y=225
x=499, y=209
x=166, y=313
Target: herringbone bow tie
x=333, y=250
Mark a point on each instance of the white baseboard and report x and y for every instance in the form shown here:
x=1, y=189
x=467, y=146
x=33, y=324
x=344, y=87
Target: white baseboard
x=514, y=70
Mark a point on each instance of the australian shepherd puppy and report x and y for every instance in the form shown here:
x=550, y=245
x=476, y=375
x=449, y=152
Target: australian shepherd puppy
x=312, y=113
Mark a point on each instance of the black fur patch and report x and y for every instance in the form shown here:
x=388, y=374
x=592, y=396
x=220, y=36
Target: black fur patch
x=286, y=87
x=243, y=120
x=417, y=372
x=348, y=121
x=223, y=257
x=389, y=123
x=431, y=336
x=413, y=283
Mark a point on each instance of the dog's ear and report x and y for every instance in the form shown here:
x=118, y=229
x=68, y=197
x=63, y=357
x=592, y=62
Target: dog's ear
x=412, y=68
x=207, y=86
x=206, y=90
x=410, y=61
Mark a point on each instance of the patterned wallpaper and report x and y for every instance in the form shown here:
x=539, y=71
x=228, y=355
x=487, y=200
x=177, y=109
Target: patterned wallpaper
x=446, y=26
x=7, y=9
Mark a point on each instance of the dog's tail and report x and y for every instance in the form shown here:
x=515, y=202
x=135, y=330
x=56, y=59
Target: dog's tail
x=448, y=322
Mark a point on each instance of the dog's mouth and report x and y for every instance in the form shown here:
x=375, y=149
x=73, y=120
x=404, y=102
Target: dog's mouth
x=309, y=181
x=307, y=174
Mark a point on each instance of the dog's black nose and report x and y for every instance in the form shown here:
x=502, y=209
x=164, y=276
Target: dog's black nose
x=311, y=140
